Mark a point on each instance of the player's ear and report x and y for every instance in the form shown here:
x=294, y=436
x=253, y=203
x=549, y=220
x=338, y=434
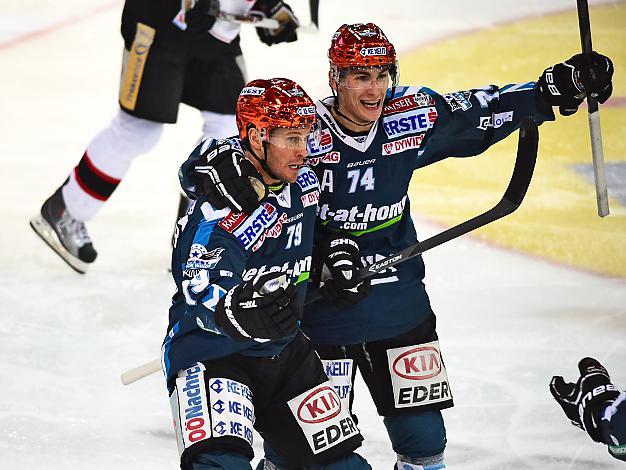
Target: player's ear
x=254, y=136
x=332, y=80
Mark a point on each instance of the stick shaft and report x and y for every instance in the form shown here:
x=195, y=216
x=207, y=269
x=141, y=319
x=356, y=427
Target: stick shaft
x=595, y=132
x=141, y=371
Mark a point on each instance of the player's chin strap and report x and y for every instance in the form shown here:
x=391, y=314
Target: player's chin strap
x=336, y=109
x=262, y=161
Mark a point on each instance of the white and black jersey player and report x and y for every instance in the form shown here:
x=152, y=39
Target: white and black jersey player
x=170, y=57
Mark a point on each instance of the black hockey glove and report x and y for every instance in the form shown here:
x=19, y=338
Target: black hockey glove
x=340, y=283
x=202, y=15
x=228, y=179
x=263, y=310
x=566, y=84
x=281, y=12
x=585, y=401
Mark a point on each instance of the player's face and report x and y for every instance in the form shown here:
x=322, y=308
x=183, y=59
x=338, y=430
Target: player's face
x=286, y=152
x=361, y=93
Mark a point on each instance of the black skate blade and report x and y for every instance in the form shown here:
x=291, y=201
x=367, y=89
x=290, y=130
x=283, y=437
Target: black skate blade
x=48, y=235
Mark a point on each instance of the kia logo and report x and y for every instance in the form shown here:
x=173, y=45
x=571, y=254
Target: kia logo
x=418, y=363
x=320, y=405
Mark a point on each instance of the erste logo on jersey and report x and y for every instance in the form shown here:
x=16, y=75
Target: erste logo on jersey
x=400, y=145
x=410, y=122
x=272, y=232
x=253, y=227
x=307, y=179
x=324, y=145
x=406, y=103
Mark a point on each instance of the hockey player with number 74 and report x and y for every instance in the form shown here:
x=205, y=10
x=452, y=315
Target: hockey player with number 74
x=374, y=134
x=234, y=357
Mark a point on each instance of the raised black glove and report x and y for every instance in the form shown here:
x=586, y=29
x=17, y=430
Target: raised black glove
x=566, y=84
x=280, y=11
x=262, y=310
x=584, y=401
x=340, y=283
x=202, y=15
x=228, y=179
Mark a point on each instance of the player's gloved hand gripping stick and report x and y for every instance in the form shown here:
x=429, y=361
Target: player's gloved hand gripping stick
x=513, y=196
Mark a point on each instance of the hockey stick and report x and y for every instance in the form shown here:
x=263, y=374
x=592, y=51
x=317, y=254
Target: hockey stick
x=513, y=197
x=251, y=20
x=594, y=116
x=141, y=371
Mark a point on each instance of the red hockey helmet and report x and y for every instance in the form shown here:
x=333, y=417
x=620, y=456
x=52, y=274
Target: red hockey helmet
x=361, y=45
x=270, y=103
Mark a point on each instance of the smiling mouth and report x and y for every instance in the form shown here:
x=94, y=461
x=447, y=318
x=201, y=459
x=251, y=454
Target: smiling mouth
x=296, y=166
x=372, y=105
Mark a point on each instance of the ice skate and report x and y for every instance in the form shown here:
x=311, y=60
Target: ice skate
x=67, y=236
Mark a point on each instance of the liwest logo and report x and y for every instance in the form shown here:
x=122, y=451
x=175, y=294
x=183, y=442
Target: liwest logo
x=406, y=103
x=418, y=363
x=410, y=122
x=397, y=146
x=252, y=90
x=320, y=405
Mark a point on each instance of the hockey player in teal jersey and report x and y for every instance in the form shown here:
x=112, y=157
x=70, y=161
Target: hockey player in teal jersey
x=374, y=135
x=233, y=356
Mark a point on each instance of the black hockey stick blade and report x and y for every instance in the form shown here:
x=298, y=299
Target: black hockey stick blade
x=513, y=197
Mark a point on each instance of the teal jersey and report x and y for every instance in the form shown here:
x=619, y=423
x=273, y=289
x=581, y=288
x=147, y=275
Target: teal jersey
x=215, y=250
x=364, y=182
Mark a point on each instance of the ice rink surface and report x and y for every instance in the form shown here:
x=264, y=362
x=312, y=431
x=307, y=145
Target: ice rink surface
x=507, y=322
